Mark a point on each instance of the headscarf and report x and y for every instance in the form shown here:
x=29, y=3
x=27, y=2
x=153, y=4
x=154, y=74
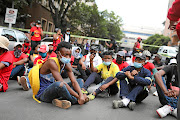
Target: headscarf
x=76, y=55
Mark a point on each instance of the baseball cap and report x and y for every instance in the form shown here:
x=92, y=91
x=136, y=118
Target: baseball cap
x=94, y=48
x=173, y=61
x=121, y=53
x=139, y=38
x=141, y=56
x=17, y=43
x=68, y=29
x=42, y=48
x=159, y=56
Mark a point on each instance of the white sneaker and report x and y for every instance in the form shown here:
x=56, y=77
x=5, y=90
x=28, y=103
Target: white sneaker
x=164, y=111
x=174, y=113
x=24, y=83
x=18, y=80
x=155, y=93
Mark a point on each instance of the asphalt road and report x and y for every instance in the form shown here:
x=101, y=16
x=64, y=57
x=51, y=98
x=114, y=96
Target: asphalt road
x=17, y=104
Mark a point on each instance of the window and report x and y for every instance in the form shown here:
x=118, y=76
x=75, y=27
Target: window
x=173, y=51
x=44, y=24
x=164, y=51
x=21, y=36
x=10, y=34
x=48, y=39
x=50, y=26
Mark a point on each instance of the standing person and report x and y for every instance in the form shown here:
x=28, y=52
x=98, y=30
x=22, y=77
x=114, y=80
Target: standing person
x=112, y=44
x=67, y=36
x=57, y=38
x=6, y=63
x=48, y=85
x=26, y=48
x=36, y=34
x=137, y=47
x=133, y=79
x=174, y=16
x=19, y=59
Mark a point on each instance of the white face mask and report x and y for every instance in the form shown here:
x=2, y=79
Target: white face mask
x=128, y=59
x=146, y=61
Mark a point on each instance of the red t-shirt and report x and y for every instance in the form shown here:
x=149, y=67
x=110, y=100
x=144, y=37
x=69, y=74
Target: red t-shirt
x=122, y=65
x=26, y=50
x=149, y=66
x=23, y=55
x=56, y=42
x=6, y=71
x=37, y=33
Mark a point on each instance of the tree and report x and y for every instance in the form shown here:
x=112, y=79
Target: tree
x=158, y=40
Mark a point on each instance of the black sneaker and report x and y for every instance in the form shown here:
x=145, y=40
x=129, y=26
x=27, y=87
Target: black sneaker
x=131, y=105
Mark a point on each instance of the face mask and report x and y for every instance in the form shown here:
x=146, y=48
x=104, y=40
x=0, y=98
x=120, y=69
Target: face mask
x=26, y=44
x=107, y=63
x=17, y=52
x=65, y=60
x=68, y=33
x=38, y=49
x=128, y=59
x=146, y=61
x=50, y=51
x=137, y=65
x=43, y=55
x=119, y=60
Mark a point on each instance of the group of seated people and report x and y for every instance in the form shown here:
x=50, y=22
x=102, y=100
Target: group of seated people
x=46, y=71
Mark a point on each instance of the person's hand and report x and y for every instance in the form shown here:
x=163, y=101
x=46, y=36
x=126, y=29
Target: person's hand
x=81, y=100
x=103, y=87
x=83, y=67
x=91, y=57
x=172, y=93
x=128, y=74
x=86, y=98
x=134, y=72
x=172, y=25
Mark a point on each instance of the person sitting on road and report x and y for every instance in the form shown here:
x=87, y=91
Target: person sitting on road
x=6, y=63
x=19, y=59
x=128, y=59
x=84, y=62
x=26, y=48
x=48, y=85
x=157, y=62
x=120, y=60
x=133, y=80
x=51, y=53
x=167, y=89
x=108, y=71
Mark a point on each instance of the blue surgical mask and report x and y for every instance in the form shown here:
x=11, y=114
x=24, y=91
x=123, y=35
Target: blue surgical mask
x=65, y=60
x=107, y=63
x=43, y=55
x=38, y=49
x=137, y=65
x=68, y=33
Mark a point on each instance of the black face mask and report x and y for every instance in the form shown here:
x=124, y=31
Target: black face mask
x=50, y=51
x=17, y=53
x=119, y=60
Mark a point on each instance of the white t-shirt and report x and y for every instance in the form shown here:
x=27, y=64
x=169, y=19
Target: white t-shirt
x=96, y=61
x=66, y=38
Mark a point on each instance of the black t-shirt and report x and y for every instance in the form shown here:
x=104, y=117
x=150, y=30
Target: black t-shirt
x=171, y=75
x=158, y=64
x=113, y=46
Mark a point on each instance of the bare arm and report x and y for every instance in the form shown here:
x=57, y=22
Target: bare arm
x=20, y=62
x=91, y=64
x=81, y=62
x=103, y=87
x=2, y=66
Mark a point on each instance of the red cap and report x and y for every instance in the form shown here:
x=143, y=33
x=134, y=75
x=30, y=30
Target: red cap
x=42, y=48
x=139, y=38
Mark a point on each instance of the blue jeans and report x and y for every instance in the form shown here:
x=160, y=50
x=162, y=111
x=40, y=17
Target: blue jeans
x=165, y=100
x=54, y=91
x=18, y=71
x=131, y=91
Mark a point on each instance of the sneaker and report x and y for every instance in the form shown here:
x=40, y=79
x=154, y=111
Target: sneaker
x=174, y=113
x=164, y=111
x=18, y=80
x=118, y=104
x=104, y=94
x=155, y=93
x=91, y=96
x=84, y=92
x=131, y=105
x=65, y=104
x=24, y=83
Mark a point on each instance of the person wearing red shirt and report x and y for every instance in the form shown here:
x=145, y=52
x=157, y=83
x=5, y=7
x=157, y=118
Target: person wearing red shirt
x=6, y=63
x=19, y=58
x=51, y=53
x=120, y=60
x=26, y=48
x=36, y=34
x=57, y=38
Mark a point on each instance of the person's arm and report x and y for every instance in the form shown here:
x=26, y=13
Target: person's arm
x=135, y=44
x=75, y=84
x=2, y=66
x=159, y=81
x=107, y=44
x=20, y=62
x=81, y=62
x=93, y=69
x=74, y=66
x=121, y=74
x=41, y=31
x=103, y=87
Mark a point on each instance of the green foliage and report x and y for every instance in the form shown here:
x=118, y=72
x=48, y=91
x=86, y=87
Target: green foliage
x=158, y=40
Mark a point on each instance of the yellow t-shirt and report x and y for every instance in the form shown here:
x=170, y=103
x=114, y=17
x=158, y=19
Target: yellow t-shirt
x=113, y=70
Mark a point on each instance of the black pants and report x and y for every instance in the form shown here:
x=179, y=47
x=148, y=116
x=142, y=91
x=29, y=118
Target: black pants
x=84, y=73
x=34, y=44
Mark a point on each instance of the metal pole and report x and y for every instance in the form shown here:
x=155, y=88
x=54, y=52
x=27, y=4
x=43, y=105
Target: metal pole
x=10, y=24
